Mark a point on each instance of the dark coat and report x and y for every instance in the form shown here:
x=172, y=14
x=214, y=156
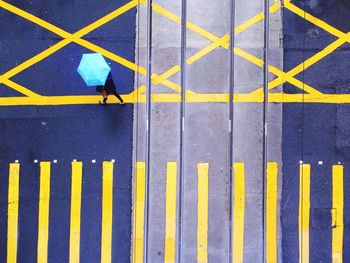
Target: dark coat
x=109, y=86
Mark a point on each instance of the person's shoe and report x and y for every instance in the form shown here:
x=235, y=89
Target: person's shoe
x=102, y=103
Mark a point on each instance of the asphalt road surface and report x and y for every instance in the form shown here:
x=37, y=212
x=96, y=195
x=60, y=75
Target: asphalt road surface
x=316, y=134
x=87, y=133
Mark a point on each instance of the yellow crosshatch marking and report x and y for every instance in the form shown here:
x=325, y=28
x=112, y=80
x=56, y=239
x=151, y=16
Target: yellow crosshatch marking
x=312, y=95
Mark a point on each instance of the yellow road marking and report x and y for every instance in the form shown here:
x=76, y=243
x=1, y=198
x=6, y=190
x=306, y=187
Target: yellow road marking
x=69, y=38
x=168, y=98
x=190, y=97
x=304, y=213
x=142, y=2
x=306, y=64
x=317, y=57
x=314, y=20
x=20, y=88
x=257, y=61
x=44, y=206
x=282, y=76
x=156, y=79
x=170, y=213
x=166, y=13
x=107, y=212
x=338, y=213
x=274, y=8
x=34, y=19
x=238, y=212
x=171, y=85
x=30, y=62
x=76, y=37
x=255, y=19
x=163, y=78
x=75, y=209
x=289, y=76
x=104, y=20
x=208, y=35
x=139, y=213
x=202, y=213
x=271, y=213
x=297, y=83
x=111, y=56
x=216, y=41
x=206, y=50
x=190, y=26
x=64, y=34
x=12, y=213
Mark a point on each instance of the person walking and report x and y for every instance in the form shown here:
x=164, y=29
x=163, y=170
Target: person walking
x=109, y=89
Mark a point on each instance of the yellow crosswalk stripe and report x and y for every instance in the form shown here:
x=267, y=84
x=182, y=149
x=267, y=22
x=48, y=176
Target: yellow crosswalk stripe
x=12, y=213
x=337, y=214
x=75, y=210
x=271, y=213
x=238, y=212
x=44, y=206
x=202, y=213
x=304, y=213
x=170, y=213
x=107, y=212
x=139, y=210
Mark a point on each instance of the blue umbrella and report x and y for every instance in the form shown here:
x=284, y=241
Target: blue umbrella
x=94, y=69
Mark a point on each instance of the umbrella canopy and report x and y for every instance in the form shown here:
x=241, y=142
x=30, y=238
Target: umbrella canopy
x=94, y=69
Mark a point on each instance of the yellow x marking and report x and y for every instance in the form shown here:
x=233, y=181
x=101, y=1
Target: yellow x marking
x=289, y=76
x=282, y=76
x=216, y=42
x=68, y=38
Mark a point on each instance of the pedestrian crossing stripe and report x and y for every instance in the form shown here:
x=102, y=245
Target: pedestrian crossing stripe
x=12, y=213
x=75, y=212
x=139, y=213
x=170, y=213
x=44, y=207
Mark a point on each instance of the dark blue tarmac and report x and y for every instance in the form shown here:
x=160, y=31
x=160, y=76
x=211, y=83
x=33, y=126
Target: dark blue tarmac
x=315, y=132
x=64, y=133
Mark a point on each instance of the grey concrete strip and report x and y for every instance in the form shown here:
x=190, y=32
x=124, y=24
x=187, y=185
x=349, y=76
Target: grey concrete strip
x=206, y=133
x=165, y=120
x=164, y=124
x=248, y=129
x=206, y=140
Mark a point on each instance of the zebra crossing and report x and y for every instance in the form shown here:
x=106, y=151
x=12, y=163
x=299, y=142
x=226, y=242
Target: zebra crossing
x=109, y=217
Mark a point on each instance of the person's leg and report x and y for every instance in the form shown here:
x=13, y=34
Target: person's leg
x=119, y=97
x=105, y=96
